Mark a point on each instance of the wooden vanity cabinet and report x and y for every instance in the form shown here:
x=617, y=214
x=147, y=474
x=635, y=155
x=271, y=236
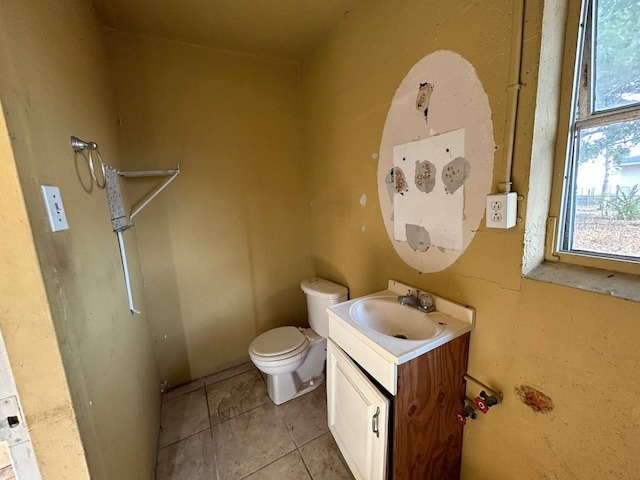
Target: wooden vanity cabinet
x=426, y=438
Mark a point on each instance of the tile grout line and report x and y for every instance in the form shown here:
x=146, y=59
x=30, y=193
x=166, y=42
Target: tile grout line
x=173, y=397
x=293, y=442
x=286, y=427
x=227, y=378
x=204, y=386
x=270, y=463
x=306, y=467
x=206, y=398
x=297, y=449
x=213, y=452
x=340, y=457
x=185, y=438
x=204, y=383
x=240, y=414
x=314, y=438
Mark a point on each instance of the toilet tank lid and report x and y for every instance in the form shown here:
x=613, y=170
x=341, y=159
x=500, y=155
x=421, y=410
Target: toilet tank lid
x=322, y=288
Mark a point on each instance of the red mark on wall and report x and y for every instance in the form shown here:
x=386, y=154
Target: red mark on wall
x=534, y=398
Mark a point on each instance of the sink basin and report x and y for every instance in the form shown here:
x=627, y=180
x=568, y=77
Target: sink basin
x=385, y=315
x=376, y=328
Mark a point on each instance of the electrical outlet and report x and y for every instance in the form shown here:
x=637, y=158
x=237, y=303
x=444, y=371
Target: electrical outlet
x=55, y=208
x=501, y=210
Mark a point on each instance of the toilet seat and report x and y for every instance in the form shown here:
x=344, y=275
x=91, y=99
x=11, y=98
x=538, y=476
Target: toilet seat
x=279, y=344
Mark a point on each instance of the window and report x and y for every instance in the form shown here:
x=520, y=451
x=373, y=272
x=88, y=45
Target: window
x=600, y=213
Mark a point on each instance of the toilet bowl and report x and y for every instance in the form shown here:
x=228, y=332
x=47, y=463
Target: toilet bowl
x=293, y=358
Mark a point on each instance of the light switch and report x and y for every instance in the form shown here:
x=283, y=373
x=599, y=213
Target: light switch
x=55, y=208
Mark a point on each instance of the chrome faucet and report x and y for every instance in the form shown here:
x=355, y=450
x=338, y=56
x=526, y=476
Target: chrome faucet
x=421, y=301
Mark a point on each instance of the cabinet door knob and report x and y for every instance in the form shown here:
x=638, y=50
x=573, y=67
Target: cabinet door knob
x=374, y=422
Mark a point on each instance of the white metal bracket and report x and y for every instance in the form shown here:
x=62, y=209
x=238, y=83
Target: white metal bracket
x=116, y=205
x=172, y=174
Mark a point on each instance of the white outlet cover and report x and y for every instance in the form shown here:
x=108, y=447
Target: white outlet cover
x=54, y=207
x=501, y=210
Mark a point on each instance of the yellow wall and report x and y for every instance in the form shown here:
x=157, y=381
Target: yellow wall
x=224, y=247
x=54, y=82
x=268, y=196
x=29, y=336
x=579, y=348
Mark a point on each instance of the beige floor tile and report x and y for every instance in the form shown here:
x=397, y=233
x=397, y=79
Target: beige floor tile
x=233, y=396
x=306, y=416
x=190, y=459
x=229, y=372
x=250, y=441
x=183, y=416
x=289, y=467
x=182, y=389
x=323, y=459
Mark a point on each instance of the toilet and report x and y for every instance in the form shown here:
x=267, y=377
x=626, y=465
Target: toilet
x=294, y=358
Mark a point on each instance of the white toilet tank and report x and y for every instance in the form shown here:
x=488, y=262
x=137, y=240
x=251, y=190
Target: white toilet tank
x=322, y=293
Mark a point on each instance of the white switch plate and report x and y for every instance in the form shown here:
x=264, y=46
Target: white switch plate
x=502, y=209
x=55, y=208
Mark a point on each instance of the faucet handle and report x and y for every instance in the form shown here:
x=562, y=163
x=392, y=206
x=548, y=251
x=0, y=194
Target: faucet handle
x=426, y=300
x=490, y=400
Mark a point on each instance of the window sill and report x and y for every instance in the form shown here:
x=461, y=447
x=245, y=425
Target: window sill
x=606, y=282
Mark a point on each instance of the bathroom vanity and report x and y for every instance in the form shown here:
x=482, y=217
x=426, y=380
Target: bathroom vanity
x=392, y=401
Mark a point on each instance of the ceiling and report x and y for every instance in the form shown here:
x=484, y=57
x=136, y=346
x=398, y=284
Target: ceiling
x=282, y=29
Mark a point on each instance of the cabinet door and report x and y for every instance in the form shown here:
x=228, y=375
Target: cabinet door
x=358, y=415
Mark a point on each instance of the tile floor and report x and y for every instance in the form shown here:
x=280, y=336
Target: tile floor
x=225, y=427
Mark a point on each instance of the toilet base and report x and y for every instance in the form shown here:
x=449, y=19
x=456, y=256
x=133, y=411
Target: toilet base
x=282, y=388
x=306, y=378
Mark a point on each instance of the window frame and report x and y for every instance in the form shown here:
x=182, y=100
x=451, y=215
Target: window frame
x=575, y=88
